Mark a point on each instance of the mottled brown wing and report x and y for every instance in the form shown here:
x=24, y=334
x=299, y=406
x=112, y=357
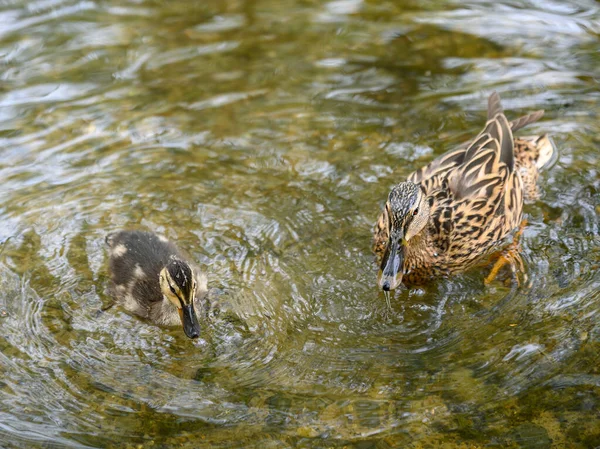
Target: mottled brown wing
x=442, y=216
x=439, y=167
x=487, y=162
x=487, y=195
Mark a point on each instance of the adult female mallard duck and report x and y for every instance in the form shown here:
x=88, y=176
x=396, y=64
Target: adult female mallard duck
x=460, y=208
x=151, y=278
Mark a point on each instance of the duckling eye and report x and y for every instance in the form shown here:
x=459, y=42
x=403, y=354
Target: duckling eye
x=172, y=290
x=416, y=211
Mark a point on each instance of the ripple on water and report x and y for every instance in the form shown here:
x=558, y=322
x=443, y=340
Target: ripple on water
x=538, y=28
x=30, y=360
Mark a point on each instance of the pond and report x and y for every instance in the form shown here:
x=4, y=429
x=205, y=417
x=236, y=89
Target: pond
x=262, y=137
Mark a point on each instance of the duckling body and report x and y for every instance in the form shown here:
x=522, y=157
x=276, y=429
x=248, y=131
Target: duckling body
x=462, y=206
x=150, y=278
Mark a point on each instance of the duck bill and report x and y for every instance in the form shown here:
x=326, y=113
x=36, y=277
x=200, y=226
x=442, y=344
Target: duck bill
x=390, y=273
x=191, y=327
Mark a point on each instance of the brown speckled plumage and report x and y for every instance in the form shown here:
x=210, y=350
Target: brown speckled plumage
x=471, y=199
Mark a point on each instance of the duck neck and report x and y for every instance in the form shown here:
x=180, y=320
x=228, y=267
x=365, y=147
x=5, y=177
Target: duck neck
x=418, y=252
x=165, y=313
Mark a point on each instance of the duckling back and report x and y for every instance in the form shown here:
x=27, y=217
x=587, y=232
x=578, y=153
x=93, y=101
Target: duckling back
x=135, y=261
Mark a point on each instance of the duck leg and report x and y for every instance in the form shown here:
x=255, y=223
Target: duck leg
x=511, y=255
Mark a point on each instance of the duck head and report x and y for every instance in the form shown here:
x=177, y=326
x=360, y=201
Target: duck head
x=178, y=285
x=407, y=210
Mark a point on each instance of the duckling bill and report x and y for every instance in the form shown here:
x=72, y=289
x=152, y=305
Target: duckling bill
x=151, y=278
x=452, y=213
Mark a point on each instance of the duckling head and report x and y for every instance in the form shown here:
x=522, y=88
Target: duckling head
x=178, y=285
x=407, y=210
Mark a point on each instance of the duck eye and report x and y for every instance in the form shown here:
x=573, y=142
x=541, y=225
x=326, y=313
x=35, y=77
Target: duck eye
x=416, y=211
x=172, y=290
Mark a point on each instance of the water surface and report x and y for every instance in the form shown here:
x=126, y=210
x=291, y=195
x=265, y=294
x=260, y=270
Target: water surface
x=263, y=138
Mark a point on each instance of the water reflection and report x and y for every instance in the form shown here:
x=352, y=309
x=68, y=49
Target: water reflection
x=262, y=138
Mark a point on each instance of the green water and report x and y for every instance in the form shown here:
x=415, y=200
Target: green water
x=263, y=137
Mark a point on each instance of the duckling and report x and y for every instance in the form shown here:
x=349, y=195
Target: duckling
x=151, y=278
x=451, y=214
